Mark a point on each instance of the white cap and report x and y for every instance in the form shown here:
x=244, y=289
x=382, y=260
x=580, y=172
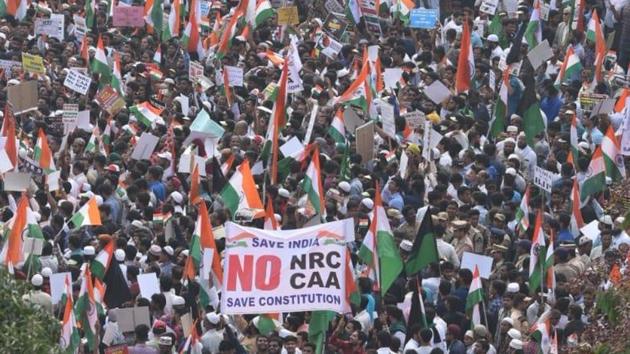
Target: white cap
x=119, y=255
x=178, y=301
x=510, y=171
x=155, y=250
x=165, y=155
x=368, y=203
x=508, y=320
x=344, y=186
x=493, y=38
x=177, y=197
x=213, y=317
x=514, y=156
x=512, y=129
x=406, y=245
x=513, y=288
x=185, y=253
x=169, y=250
x=514, y=333
x=516, y=344
x=46, y=272
x=89, y=251
x=606, y=219
x=284, y=193
x=37, y=280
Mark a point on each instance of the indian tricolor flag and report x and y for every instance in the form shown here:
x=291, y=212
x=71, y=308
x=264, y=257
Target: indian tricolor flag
x=202, y=240
x=522, y=214
x=193, y=343
x=172, y=27
x=87, y=215
x=621, y=101
x=70, y=338
x=101, y=263
x=241, y=193
x=270, y=218
x=613, y=159
x=228, y=34
x=85, y=308
x=337, y=129
x=15, y=8
x=497, y=126
x=465, y=62
x=154, y=15
x=533, y=32
x=570, y=67
x=577, y=222
x=600, y=48
x=475, y=297
x=541, y=333
x=117, y=83
x=194, y=195
x=595, y=180
x=378, y=249
x=258, y=12
x=12, y=252
x=275, y=58
x=359, y=93
x=550, y=276
x=99, y=63
x=312, y=185
x=192, y=38
x=403, y=8
x=352, y=291
x=535, y=262
x=278, y=119
x=147, y=114
x=43, y=155
x=157, y=57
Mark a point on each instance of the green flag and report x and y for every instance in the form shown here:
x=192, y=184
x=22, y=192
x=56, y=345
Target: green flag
x=317, y=328
x=424, y=250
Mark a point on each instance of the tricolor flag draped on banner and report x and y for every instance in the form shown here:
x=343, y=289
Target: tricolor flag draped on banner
x=378, y=249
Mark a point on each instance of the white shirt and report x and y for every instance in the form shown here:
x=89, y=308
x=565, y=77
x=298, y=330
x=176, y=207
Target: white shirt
x=621, y=238
x=211, y=340
x=446, y=250
x=412, y=344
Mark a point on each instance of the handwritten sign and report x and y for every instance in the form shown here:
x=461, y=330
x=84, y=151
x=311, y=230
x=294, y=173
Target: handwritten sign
x=33, y=63
x=235, y=75
x=423, y=18
x=544, y=178
x=52, y=27
x=80, y=27
x=129, y=16
x=288, y=15
x=77, y=82
x=69, y=117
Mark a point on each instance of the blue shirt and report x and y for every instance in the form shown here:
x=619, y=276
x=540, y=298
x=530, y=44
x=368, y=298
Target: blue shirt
x=551, y=107
x=565, y=235
x=515, y=98
x=158, y=189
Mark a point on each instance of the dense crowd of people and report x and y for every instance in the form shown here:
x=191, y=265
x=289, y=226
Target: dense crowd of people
x=496, y=136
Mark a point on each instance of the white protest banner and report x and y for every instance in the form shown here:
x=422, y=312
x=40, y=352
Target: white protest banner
x=77, y=82
x=414, y=118
x=80, y=27
x=540, y=54
x=470, y=260
x=388, y=119
x=391, y=77
x=544, y=179
x=149, y=285
x=404, y=162
x=145, y=146
x=285, y=271
x=57, y=285
x=52, y=26
x=294, y=82
x=235, y=75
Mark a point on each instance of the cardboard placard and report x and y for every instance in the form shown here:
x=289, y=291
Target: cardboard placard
x=388, y=119
x=33, y=64
x=129, y=16
x=288, y=15
x=484, y=263
x=414, y=119
x=129, y=318
x=69, y=117
x=351, y=119
x=391, y=77
x=52, y=27
x=423, y=18
x=23, y=97
x=145, y=146
x=16, y=181
x=109, y=100
x=540, y=54
x=335, y=25
x=365, y=141
x=489, y=6
x=77, y=82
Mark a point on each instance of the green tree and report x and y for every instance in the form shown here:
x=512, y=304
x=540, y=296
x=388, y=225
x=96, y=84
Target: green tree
x=24, y=328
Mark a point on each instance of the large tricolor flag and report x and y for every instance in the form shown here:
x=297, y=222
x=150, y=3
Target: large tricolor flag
x=192, y=38
x=550, y=275
x=359, y=93
x=70, y=338
x=147, y=114
x=171, y=29
x=270, y=218
x=228, y=33
x=312, y=185
x=378, y=249
x=613, y=159
x=43, y=155
x=278, y=120
x=99, y=63
x=337, y=129
x=475, y=297
x=103, y=259
x=536, y=262
x=465, y=62
x=9, y=157
x=533, y=32
x=595, y=180
x=258, y=12
x=497, y=126
x=241, y=193
x=87, y=215
x=203, y=239
x=117, y=82
x=86, y=308
x=600, y=48
x=577, y=222
x=571, y=65
x=12, y=252
x=541, y=333
x=154, y=15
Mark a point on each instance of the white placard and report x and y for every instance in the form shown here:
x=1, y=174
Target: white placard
x=69, y=118
x=334, y=6
x=58, y=285
x=469, y=260
x=544, y=179
x=292, y=148
x=235, y=75
x=77, y=82
x=489, y=6
x=591, y=230
x=625, y=138
x=80, y=27
x=83, y=121
x=33, y=245
x=389, y=122
x=145, y=146
x=16, y=181
x=404, y=161
x=391, y=77
x=540, y=54
x=149, y=285
x=426, y=140
x=437, y=92
x=195, y=70
x=332, y=49
x=52, y=27
x=52, y=180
